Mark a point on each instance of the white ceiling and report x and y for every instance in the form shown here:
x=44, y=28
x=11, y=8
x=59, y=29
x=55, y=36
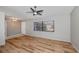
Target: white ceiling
x=48, y=10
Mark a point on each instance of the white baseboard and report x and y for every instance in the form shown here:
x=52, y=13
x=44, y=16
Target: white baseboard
x=47, y=38
x=2, y=43
x=75, y=48
x=17, y=35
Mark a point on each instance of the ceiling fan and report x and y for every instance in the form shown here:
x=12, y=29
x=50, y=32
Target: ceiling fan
x=35, y=11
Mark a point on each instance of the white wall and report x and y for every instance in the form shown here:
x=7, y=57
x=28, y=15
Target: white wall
x=23, y=27
x=13, y=27
x=75, y=28
x=2, y=28
x=62, y=28
x=9, y=12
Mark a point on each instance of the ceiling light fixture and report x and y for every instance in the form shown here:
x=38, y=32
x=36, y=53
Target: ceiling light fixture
x=35, y=11
x=14, y=19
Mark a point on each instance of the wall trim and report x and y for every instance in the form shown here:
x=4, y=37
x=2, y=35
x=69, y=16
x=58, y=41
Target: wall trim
x=2, y=43
x=75, y=47
x=13, y=36
x=46, y=38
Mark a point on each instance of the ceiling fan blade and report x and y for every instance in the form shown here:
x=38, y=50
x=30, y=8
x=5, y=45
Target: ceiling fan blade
x=35, y=6
x=40, y=11
x=35, y=11
x=32, y=9
x=33, y=14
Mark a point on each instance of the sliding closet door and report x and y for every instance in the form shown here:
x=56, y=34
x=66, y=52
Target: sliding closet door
x=2, y=28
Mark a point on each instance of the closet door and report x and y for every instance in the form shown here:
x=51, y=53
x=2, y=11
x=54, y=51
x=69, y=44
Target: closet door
x=2, y=28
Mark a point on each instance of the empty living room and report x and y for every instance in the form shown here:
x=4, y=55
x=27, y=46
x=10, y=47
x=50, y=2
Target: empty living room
x=39, y=29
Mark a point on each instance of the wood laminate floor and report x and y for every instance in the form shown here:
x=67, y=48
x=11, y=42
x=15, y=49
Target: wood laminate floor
x=28, y=44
